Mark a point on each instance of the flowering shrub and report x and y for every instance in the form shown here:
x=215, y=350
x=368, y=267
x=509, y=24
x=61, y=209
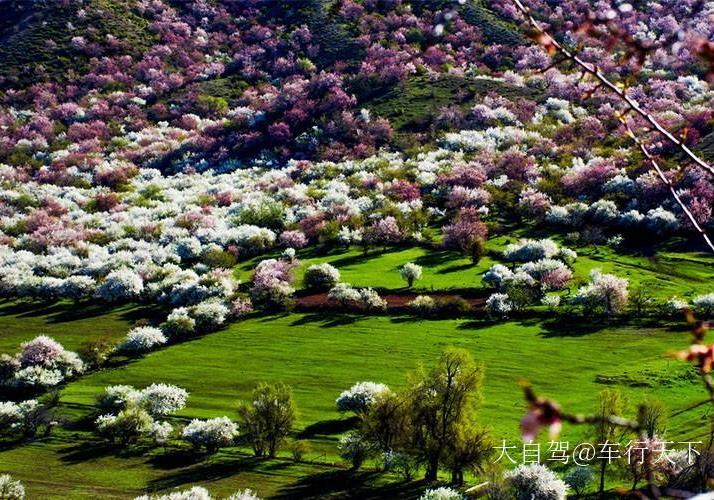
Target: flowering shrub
x=121, y=285
x=209, y=315
x=530, y=250
x=272, y=287
x=163, y=399
x=536, y=482
x=359, y=397
x=703, y=305
x=157, y=399
x=41, y=363
x=423, y=305
x=363, y=298
x=195, y=493
x=179, y=323
x=210, y=434
x=125, y=427
x=410, y=273
x=11, y=489
x=321, y=276
x=442, y=493
x=605, y=293
x=293, y=239
x=142, y=339
x=499, y=305
x=17, y=418
x=355, y=448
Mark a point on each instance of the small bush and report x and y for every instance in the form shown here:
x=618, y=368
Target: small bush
x=321, y=277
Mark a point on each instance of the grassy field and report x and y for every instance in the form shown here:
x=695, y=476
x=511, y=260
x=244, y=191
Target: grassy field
x=669, y=273
x=319, y=357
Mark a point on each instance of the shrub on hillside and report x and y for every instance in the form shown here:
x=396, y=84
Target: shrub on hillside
x=535, y=482
x=211, y=434
x=410, y=273
x=11, y=489
x=41, y=363
x=121, y=285
x=604, y=294
x=442, y=493
x=142, y=339
x=321, y=277
x=360, y=396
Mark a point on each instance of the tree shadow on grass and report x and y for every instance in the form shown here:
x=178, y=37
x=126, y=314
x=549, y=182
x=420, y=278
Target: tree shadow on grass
x=456, y=268
x=435, y=258
x=326, y=319
x=93, y=450
x=215, y=469
x=352, y=260
x=63, y=312
x=329, y=427
x=349, y=484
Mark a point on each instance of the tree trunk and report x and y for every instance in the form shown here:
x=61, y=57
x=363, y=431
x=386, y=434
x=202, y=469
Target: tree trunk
x=603, y=464
x=432, y=469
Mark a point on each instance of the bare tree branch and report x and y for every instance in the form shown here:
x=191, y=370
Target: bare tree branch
x=549, y=41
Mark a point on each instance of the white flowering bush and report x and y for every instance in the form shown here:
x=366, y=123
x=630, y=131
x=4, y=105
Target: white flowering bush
x=209, y=315
x=529, y=250
x=160, y=432
x=344, y=294
x=371, y=301
x=441, y=493
x=605, y=293
x=422, y=305
x=179, y=323
x=497, y=276
x=163, y=399
x=551, y=301
x=246, y=494
x=357, y=298
x=499, y=305
x=321, y=276
x=359, y=397
x=703, y=305
x=127, y=426
x=121, y=285
x=661, y=221
x=536, y=482
x=211, y=434
x=195, y=493
x=16, y=418
x=11, y=489
x=142, y=339
x=78, y=287
x=410, y=273
x=157, y=399
x=675, y=306
x=118, y=397
x=354, y=447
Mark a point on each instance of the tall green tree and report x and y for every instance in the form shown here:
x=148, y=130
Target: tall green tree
x=269, y=418
x=611, y=402
x=440, y=401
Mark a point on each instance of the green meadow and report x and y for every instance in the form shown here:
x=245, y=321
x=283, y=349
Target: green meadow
x=320, y=355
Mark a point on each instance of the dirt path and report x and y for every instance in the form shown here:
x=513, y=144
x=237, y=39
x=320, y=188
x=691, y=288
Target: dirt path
x=395, y=301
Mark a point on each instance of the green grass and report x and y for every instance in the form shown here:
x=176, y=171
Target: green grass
x=71, y=325
x=412, y=106
x=319, y=357
x=442, y=270
x=669, y=273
